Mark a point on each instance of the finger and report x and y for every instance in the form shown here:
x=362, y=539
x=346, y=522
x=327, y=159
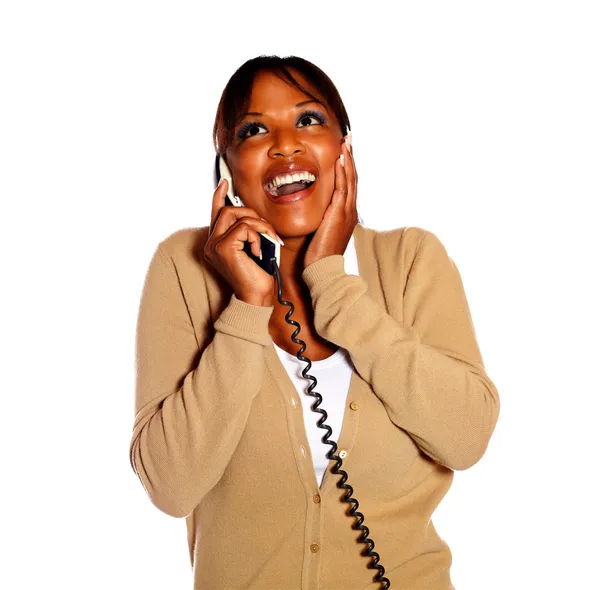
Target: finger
x=351, y=159
x=260, y=224
x=237, y=215
x=228, y=216
x=218, y=202
x=341, y=183
x=350, y=175
x=243, y=232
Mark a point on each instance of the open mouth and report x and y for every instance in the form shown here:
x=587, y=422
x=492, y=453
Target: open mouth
x=288, y=189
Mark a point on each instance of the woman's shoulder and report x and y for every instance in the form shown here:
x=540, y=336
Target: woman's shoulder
x=184, y=240
x=198, y=281
x=402, y=241
x=184, y=248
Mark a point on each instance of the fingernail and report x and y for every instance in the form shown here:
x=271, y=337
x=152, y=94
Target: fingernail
x=260, y=253
x=349, y=140
x=342, y=159
x=280, y=240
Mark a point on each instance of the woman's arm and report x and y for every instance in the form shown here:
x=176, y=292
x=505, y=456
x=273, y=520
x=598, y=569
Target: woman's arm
x=427, y=370
x=191, y=406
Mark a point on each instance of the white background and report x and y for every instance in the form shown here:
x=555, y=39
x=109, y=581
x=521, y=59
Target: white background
x=479, y=121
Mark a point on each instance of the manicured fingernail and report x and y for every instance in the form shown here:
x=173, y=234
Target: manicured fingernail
x=342, y=159
x=260, y=253
x=349, y=140
x=280, y=240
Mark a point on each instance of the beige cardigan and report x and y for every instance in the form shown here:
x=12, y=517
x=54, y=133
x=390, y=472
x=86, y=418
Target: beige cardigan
x=219, y=436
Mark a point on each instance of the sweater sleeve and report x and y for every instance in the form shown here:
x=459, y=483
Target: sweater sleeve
x=427, y=370
x=191, y=405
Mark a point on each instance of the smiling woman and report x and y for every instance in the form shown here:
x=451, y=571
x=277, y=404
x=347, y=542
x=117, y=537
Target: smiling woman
x=258, y=104
x=227, y=432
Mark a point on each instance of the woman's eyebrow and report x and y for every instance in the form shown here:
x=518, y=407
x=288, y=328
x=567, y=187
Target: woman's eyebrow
x=254, y=113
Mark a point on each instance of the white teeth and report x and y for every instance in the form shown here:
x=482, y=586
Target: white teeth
x=289, y=178
x=284, y=179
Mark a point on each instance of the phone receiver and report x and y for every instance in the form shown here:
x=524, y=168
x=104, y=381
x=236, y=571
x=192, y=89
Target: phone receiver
x=269, y=247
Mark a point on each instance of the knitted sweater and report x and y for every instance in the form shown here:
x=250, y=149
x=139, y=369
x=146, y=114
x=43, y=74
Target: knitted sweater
x=219, y=435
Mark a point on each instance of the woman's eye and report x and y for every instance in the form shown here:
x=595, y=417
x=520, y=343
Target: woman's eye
x=305, y=117
x=250, y=128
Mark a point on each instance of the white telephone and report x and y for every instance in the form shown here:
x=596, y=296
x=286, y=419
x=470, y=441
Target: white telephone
x=269, y=247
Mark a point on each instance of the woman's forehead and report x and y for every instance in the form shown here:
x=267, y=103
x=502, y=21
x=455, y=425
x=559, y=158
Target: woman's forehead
x=270, y=92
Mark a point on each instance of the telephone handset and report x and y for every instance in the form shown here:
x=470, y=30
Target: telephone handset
x=270, y=263
x=268, y=246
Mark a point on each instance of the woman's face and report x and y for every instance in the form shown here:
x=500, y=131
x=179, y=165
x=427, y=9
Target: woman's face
x=281, y=135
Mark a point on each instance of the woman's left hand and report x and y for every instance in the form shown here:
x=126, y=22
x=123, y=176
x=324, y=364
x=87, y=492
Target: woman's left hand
x=340, y=219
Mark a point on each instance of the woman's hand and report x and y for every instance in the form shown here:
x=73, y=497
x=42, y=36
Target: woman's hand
x=229, y=228
x=340, y=219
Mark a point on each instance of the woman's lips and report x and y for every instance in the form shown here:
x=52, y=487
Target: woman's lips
x=292, y=197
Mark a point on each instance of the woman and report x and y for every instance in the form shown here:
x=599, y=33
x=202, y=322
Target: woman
x=224, y=432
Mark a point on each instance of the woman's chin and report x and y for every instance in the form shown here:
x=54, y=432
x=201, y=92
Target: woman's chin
x=298, y=224
x=298, y=218
x=296, y=228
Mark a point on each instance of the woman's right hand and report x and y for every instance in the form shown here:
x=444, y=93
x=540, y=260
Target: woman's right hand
x=229, y=228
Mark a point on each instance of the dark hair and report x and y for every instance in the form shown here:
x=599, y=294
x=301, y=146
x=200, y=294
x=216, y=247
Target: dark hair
x=236, y=95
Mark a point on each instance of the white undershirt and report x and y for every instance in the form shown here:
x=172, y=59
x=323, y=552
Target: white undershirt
x=333, y=376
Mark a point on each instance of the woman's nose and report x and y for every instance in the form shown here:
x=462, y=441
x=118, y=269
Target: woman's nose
x=286, y=143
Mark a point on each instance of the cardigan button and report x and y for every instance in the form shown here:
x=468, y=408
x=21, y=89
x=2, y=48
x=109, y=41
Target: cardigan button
x=314, y=547
x=354, y=406
x=316, y=498
x=342, y=454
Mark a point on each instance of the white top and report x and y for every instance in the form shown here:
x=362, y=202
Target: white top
x=333, y=380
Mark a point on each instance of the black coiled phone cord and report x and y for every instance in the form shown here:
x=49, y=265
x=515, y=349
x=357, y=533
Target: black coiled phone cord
x=358, y=525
